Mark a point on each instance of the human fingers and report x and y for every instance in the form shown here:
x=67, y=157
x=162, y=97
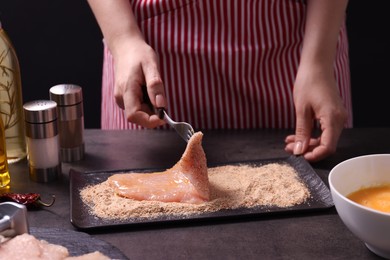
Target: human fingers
x=136, y=110
x=303, y=129
x=332, y=128
x=317, y=149
x=137, y=70
x=290, y=143
x=318, y=152
x=289, y=139
x=146, y=120
x=154, y=85
x=332, y=118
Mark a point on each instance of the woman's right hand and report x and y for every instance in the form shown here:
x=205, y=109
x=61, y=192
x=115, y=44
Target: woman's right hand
x=135, y=62
x=136, y=67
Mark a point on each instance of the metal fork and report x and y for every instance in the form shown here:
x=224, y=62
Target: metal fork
x=184, y=129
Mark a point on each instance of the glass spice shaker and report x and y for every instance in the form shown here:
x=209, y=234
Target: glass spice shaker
x=42, y=140
x=69, y=99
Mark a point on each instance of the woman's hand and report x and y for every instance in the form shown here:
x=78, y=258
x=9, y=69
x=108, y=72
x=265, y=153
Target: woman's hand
x=135, y=62
x=316, y=100
x=136, y=67
x=316, y=96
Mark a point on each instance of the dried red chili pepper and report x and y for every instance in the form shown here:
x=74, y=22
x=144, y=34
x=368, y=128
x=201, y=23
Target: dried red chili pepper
x=30, y=200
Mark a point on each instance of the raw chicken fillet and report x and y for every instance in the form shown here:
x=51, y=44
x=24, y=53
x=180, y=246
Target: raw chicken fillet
x=27, y=247
x=187, y=181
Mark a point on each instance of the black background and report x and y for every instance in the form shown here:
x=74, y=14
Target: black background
x=59, y=41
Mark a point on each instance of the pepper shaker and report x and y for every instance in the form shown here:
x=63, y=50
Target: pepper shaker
x=42, y=140
x=69, y=99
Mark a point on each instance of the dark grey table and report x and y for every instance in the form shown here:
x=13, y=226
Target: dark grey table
x=314, y=235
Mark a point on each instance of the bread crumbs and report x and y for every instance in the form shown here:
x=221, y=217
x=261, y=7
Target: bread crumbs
x=231, y=187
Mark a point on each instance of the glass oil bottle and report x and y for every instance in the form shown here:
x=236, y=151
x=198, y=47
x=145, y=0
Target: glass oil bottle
x=4, y=173
x=11, y=103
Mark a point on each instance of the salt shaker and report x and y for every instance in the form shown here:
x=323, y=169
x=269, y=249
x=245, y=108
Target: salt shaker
x=42, y=140
x=69, y=99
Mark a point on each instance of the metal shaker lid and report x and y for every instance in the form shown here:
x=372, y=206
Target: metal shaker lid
x=66, y=94
x=40, y=111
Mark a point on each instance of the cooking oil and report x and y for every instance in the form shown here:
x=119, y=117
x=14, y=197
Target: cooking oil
x=4, y=173
x=11, y=103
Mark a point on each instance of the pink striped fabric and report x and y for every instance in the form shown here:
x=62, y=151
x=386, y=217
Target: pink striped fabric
x=225, y=64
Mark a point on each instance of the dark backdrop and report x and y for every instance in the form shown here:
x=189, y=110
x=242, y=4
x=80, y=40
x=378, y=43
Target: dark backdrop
x=58, y=41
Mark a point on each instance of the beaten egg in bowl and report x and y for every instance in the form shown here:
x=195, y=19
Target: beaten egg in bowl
x=369, y=225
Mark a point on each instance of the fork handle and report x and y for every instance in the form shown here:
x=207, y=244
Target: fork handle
x=160, y=112
x=145, y=98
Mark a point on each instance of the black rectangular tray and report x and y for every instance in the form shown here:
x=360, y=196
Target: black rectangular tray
x=81, y=218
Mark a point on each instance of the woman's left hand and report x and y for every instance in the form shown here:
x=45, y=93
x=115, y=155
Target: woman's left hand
x=316, y=99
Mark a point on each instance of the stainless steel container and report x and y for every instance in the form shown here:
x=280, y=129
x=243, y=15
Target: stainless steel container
x=69, y=99
x=42, y=140
x=13, y=219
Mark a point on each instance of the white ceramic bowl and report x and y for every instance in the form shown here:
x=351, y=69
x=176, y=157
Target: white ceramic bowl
x=371, y=226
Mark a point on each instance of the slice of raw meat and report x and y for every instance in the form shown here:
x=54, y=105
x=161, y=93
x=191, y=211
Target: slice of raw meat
x=187, y=181
x=26, y=246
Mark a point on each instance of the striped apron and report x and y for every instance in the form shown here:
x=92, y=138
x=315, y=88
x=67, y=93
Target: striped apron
x=225, y=63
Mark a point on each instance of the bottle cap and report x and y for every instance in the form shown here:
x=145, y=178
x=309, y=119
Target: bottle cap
x=66, y=94
x=40, y=111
